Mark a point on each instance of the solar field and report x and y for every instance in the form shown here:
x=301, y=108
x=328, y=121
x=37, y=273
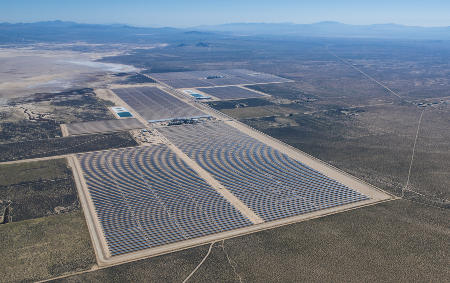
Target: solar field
x=103, y=126
x=154, y=104
x=215, y=78
x=200, y=182
x=146, y=197
x=230, y=92
x=269, y=182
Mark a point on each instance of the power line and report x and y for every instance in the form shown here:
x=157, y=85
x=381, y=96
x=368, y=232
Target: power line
x=412, y=155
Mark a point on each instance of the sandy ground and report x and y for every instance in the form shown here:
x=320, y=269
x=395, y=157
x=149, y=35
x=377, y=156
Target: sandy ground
x=25, y=71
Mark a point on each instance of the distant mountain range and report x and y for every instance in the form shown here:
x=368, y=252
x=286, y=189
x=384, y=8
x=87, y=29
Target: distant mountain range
x=59, y=31
x=332, y=29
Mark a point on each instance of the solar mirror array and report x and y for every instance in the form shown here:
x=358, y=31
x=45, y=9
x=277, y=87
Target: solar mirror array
x=216, y=78
x=154, y=104
x=230, y=92
x=269, y=182
x=147, y=197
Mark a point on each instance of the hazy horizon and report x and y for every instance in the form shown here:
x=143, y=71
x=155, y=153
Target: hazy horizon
x=183, y=14
x=219, y=24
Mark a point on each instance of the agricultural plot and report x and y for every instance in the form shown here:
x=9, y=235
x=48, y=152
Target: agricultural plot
x=216, y=78
x=269, y=182
x=155, y=105
x=230, y=92
x=146, y=197
x=106, y=126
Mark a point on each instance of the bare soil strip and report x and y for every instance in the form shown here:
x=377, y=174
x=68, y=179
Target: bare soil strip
x=245, y=210
x=64, y=131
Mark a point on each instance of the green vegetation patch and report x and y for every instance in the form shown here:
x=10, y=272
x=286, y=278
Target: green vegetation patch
x=45, y=247
x=37, y=189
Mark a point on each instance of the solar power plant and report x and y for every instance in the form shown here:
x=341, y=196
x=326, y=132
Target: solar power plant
x=215, y=78
x=146, y=197
x=103, y=126
x=230, y=92
x=153, y=104
x=269, y=182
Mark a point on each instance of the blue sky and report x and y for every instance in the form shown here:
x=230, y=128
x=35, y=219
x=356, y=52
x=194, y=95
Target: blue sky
x=185, y=13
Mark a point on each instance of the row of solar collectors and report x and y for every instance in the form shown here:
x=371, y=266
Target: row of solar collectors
x=230, y=92
x=241, y=73
x=215, y=78
x=147, y=197
x=271, y=183
x=154, y=104
x=103, y=126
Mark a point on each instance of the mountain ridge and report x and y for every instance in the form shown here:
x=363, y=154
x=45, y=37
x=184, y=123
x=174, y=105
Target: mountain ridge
x=66, y=31
x=332, y=29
